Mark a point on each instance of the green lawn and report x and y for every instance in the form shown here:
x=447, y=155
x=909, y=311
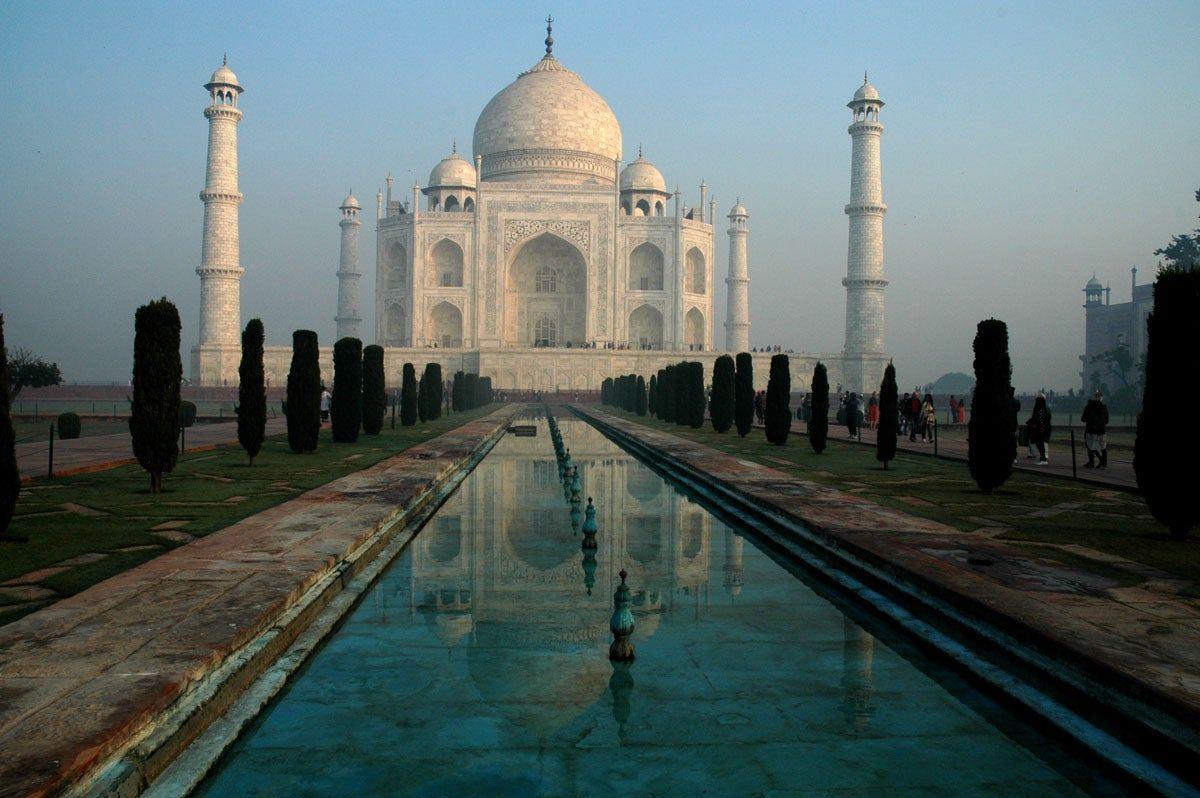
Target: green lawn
x=110, y=513
x=1036, y=511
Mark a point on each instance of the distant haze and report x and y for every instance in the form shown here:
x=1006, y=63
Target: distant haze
x=1026, y=147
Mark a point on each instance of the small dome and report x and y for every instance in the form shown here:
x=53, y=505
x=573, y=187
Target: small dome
x=641, y=175
x=739, y=210
x=224, y=75
x=351, y=201
x=453, y=170
x=866, y=92
x=1093, y=285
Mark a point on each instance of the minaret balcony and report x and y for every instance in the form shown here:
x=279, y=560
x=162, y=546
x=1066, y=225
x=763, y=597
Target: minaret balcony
x=866, y=207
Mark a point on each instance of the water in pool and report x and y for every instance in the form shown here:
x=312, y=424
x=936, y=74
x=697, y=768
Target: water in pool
x=477, y=665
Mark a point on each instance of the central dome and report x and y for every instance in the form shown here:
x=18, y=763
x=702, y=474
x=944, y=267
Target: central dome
x=549, y=125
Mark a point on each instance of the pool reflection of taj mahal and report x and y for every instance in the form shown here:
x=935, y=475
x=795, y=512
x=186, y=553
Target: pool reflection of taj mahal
x=542, y=262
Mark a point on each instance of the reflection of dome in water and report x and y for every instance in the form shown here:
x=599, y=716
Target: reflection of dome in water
x=444, y=541
x=538, y=675
x=450, y=627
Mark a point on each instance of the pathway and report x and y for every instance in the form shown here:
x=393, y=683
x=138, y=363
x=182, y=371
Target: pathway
x=83, y=679
x=98, y=452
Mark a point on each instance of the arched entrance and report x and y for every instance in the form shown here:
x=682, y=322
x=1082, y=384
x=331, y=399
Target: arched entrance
x=445, y=325
x=397, y=325
x=646, y=328
x=693, y=329
x=545, y=294
x=646, y=268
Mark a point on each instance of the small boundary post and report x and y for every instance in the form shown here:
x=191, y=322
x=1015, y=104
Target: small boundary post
x=50, y=459
x=1074, y=470
x=935, y=440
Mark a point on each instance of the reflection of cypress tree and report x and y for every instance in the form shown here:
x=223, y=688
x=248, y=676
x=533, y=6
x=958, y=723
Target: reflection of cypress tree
x=743, y=393
x=858, y=654
x=818, y=422
x=1163, y=463
x=889, y=420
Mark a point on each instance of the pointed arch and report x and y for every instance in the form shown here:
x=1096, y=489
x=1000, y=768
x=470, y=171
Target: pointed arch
x=445, y=325
x=694, y=328
x=646, y=266
x=545, y=279
x=396, y=271
x=468, y=205
x=447, y=259
x=642, y=208
x=451, y=203
x=646, y=328
x=396, y=331
x=695, y=274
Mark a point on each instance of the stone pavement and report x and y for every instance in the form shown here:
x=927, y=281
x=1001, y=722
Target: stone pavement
x=98, y=452
x=85, y=678
x=1145, y=638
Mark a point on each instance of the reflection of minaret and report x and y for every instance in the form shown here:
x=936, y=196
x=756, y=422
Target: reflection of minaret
x=858, y=651
x=620, y=686
x=733, y=563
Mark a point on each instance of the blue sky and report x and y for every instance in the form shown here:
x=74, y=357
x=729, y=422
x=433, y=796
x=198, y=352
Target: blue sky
x=1026, y=146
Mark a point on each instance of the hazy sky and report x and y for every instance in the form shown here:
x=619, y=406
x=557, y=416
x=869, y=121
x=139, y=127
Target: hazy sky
x=1026, y=146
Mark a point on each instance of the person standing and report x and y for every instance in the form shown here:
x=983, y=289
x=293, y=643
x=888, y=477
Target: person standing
x=1039, y=428
x=852, y=414
x=1095, y=429
x=873, y=410
x=913, y=411
x=326, y=398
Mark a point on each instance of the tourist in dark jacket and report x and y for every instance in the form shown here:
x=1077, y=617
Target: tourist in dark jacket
x=912, y=409
x=1095, y=429
x=852, y=414
x=1039, y=428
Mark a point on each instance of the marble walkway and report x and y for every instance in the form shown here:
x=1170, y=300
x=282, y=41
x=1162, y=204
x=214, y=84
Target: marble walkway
x=1147, y=636
x=83, y=679
x=98, y=452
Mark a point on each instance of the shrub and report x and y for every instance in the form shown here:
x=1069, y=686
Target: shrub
x=722, y=393
x=408, y=396
x=252, y=391
x=374, y=395
x=434, y=391
x=818, y=423
x=157, y=373
x=889, y=420
x=345, y=409
x=304, y=393
x=68, y=426
x=1163, y=463
x=642, y=401
x=457, y=401
x=695, y=394
x=10, y=474
x=743, y=393
x=777, y=415
x=992, y=430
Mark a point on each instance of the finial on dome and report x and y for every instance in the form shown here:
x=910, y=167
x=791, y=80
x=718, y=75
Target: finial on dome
x=225, y=59
x=454, y=147
x=639, y=149
x=549, y=38
x=864, y=77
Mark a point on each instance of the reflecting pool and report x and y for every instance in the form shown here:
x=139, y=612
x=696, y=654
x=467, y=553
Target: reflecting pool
x=477, y=665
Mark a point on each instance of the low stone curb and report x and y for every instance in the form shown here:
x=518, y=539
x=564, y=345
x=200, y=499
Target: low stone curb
x=109, y=719
x=849, y=534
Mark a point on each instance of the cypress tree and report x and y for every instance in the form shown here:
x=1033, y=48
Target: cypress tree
x=456, y=392
x=695, y=393
x=722, y=393
x=743, y=393
x=679, y=385
x=652, y=396
x=422, y=398
x=374, y=397
x=606, y=391
x=889, y=420
x=345, y=410
x=434, y=391
x=777, y=416
x=252, y=391
x=157, y=373
x=304, y=393
x=642, y=401
x=658, y=394
x=992, y=430
x=470, y=391
x=1163, y=463
x=486, y=396
x=408, y=396
x=818, y=423
x=10, y=474
x=631, y=392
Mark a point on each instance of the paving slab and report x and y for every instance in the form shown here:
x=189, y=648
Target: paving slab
x=1151, y=644
x=84, y=678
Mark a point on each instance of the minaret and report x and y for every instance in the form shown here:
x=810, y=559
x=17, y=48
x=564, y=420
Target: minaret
x=348, y=319
x=737, y=318
x=220, y=263
x=864, y=262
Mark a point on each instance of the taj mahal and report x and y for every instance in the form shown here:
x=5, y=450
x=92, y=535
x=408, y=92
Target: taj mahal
x=545, y=261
